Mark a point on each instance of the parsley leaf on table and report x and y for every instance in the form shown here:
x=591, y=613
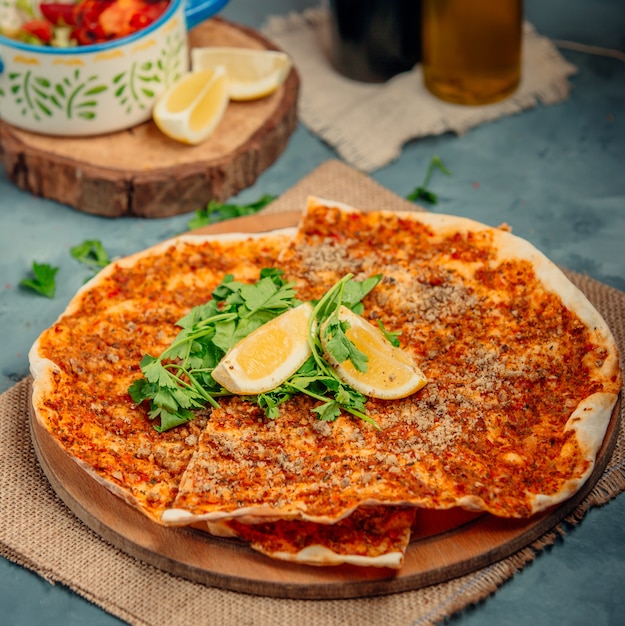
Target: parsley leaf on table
x=422, y=192
x=217, y=212
x=91, y=252
x=43, y=281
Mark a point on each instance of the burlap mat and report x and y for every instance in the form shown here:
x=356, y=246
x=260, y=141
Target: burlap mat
x=40, y=533
x=368, y=124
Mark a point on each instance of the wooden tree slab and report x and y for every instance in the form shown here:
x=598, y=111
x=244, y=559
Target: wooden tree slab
x=444, y=544
x=140, y=171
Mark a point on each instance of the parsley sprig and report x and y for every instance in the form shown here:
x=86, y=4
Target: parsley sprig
x=91, y=252
x=422, y=192
x=179, y=381
x=43, y=279
x=216, y=211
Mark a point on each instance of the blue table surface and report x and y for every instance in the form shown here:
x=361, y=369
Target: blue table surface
x=555, y=174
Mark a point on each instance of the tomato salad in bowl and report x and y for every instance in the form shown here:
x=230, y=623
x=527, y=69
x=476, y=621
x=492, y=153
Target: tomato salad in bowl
x=85, y=22
x=91, y=21
x=92, y=66
x=79, y=23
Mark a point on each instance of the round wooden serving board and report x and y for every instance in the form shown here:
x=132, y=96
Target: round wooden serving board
x=444, y=545
x=142, y=172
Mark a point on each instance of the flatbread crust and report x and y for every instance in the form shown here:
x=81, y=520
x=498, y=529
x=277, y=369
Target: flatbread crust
x=523, y=376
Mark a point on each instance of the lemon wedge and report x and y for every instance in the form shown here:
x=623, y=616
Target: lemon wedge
x=251, y=73
x=391, y=372
x=191, y=108
x=268, y=356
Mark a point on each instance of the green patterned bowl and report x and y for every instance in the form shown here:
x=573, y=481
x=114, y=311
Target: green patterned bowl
x=102, y=88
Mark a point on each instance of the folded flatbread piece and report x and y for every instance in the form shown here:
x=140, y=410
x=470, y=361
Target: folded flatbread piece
x=370, y=536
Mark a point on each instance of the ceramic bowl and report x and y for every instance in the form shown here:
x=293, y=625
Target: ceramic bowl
x=101, y=88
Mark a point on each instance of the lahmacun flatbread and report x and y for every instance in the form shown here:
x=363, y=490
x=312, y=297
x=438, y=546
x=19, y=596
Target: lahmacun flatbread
x=523, y=375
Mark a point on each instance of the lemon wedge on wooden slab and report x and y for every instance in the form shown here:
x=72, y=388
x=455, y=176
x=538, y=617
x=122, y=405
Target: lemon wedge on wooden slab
x=390, y=374
x=191, y=108
x=268, y=356
x=251, y=73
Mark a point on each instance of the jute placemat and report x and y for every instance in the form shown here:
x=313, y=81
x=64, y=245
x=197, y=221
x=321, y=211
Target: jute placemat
x=368, y=124
x=38, y=532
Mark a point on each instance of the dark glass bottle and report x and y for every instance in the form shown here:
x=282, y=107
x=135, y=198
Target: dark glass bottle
x=372, y=40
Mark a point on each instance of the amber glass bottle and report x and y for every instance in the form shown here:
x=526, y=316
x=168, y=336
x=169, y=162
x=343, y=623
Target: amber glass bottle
x=472, y=49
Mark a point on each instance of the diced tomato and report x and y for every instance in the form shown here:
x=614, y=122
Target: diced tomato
x=87, y=20
x=40, y=29
x=124, y=17
x=58, y=13
x=139, y=21
x=115, y=20
x=150, y=12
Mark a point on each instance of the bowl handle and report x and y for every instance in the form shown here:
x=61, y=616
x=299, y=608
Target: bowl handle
x=197, y=11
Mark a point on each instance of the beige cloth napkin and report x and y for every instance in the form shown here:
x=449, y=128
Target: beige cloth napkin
x=368, y=124
x=39, y=532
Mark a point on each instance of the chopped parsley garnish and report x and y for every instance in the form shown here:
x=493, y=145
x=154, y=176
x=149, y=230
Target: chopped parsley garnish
x=179, y=381
x=422, y=192
x=43, y=280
